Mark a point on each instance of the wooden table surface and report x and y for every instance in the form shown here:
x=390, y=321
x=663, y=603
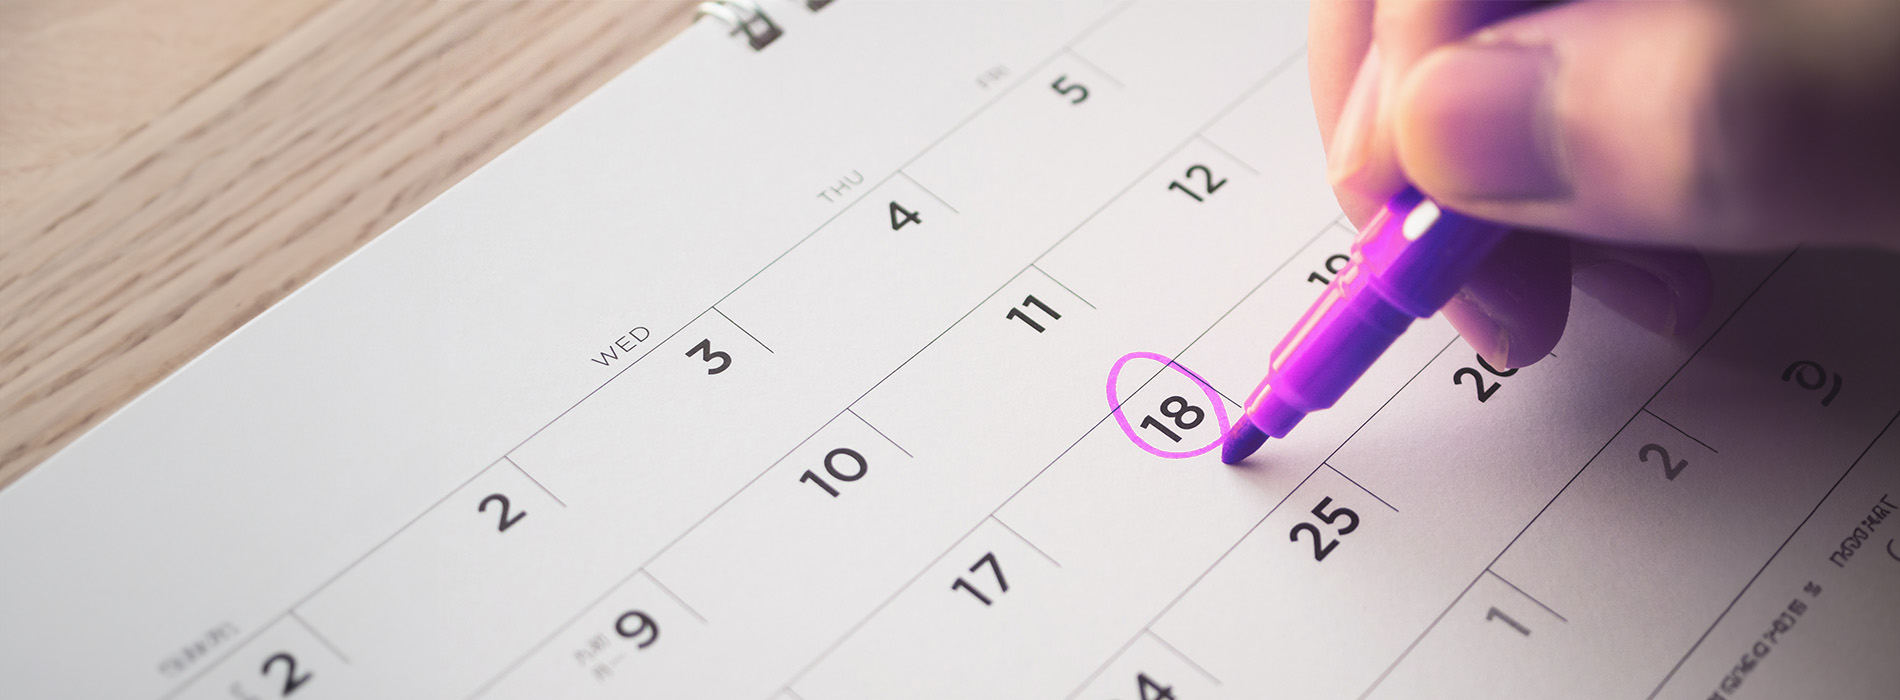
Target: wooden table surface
x=171, y=168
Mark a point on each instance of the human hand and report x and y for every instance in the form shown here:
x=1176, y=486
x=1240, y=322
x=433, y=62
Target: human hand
x=1636, y=130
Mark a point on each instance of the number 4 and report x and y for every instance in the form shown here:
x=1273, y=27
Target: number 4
x=901, y=217
x=1150, y=690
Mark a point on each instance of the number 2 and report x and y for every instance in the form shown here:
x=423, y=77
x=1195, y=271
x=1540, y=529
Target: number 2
x=1321, y=547
x=1207, y=181
x=1484, y=392
x=506, y=521
x=1669, y=472
x=1319, y=553
x=291, y=680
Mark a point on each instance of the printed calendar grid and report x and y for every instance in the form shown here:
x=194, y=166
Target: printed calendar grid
x=290, y=611
x=1553, y=499
x=1664, y=683
x=1146, y=631
x=1197, y=135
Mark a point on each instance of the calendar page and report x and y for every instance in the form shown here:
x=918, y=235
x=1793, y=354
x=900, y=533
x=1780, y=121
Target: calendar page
x=890, y=359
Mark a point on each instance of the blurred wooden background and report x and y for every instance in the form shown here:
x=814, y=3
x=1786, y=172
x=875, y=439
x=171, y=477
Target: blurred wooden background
x=170, y=168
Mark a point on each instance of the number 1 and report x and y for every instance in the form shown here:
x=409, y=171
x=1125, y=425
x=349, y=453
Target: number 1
x=1497, y=614
x=1031, y=300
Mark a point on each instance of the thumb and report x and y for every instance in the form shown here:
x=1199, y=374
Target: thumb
x=1601, y=119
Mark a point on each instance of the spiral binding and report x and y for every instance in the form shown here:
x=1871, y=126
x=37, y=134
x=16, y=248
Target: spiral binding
x=746, y=16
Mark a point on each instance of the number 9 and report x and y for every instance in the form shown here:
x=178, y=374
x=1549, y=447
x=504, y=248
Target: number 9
x=646, y=627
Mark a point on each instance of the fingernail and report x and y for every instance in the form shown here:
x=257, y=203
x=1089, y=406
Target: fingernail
x=1482, y=332
x=1346, y=155
x=1477, y=121
x=1641, y=297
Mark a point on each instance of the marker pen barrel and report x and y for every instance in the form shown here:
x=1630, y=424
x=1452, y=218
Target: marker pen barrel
x=1410, y=259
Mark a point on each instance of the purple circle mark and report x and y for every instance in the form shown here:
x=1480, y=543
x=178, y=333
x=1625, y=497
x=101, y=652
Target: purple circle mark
x=1213, y=397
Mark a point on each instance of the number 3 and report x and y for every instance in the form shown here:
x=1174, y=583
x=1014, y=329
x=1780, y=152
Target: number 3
x=705, y=352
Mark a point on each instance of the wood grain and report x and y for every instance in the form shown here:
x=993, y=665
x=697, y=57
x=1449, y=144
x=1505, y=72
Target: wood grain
x=238, y=148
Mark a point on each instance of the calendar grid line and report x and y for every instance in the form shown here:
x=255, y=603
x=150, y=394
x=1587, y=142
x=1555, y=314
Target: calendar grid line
x=1362, y=487
x=590, y=394
x=1086, y=63
x=1001, y=94
x=933, y=195
x=325, y=641
x=947, y=550
x=1527, y=596
x=748, y=334
x=868, y=617
x=642, y=568
x=1032, y=545
x=506, y=455
x=934, y=143
x=1717, y=332
x=880, y=433
x=960, y=540
x=1052, y=278
x=1149, y=626
x=537, y=482
x=657, y=583
x=1198, y=133
x=1184, y=657
x=1230, y=154
x=291, y=609
x=1685, y=433
x=1249, y=295
x=1771, y=557
x=1123, y=649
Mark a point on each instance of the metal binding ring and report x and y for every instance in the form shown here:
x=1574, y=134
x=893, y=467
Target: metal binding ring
x=743, y=16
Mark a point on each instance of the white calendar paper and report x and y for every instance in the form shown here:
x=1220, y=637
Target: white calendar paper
x=884, y=361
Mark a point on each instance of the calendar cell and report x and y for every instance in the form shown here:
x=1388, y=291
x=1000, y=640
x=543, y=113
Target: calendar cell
x=1778, y=363
x=1059, y=138
x=624, y=644
x=1130, y=520
x=1149, y=669
x=632, y=462
x=1196, y=60
x=838, y=525
x=1033, y=343
x=1212, y=209
x=1255, y=620
x=392, y=610
x=1496, y=642
x=1807, y=626
x=1271, y=131
x=948, y=634
x=1639, y=588
x=816, y=306
x=286, y=658
x=1233, y=355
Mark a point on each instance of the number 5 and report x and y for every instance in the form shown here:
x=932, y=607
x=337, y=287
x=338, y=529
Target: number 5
x=1352, y=519
x=1079, y=92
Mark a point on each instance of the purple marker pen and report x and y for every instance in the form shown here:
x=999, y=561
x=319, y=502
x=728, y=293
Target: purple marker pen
x=1410, y=259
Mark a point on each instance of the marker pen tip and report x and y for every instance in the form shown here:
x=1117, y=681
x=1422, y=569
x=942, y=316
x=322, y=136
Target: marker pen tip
x=1242, y=440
